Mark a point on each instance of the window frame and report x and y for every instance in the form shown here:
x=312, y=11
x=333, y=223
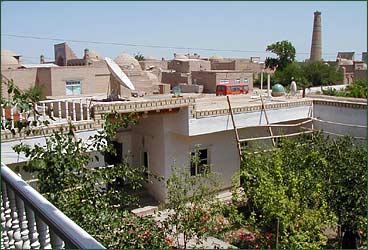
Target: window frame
x=73, y=84
x=203, y=166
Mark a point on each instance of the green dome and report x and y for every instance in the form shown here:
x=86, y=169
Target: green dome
x=278, y=90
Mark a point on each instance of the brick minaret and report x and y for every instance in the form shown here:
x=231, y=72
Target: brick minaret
x=316, y=48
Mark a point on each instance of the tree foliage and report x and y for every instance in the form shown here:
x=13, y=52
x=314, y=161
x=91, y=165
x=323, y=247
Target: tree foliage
x=292, y=71
x=359, y=89
x=22, y=102
x=196, y=212
x=319, y=73
x=285, y=52
x=139, y=57
x=307, y=185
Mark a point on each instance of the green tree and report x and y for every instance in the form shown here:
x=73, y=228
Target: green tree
x=22, y=102
x=319, y=73
x=196, y=212
x=139, y=57
x=307, y=184
x=285, y=52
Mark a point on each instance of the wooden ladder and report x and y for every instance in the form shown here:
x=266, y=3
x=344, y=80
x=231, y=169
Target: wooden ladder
x=238, y=140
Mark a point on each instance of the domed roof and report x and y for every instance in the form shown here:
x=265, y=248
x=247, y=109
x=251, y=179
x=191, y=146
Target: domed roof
x=94, y=56
x=8, y=60
x=8, y=53
x=181, y=56
x=152, y=76
x=216, y=57
x=278, y=90
x=127, y=61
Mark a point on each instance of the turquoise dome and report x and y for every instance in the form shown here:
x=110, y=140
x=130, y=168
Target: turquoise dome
x=278, y=90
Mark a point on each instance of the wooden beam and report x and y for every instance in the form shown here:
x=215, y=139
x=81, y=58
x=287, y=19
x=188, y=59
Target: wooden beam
x=235, y=130
x=269, y=128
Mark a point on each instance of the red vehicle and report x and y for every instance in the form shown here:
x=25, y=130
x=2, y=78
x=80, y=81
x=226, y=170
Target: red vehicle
x=232, y=89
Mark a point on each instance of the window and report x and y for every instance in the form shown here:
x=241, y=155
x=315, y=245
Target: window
x=237, y=80
x=114, y=159
x=73, y=87
x=224, y=81
x=221, y=88
x=235, y=88
x=145, y=162
x=245, y=80
x=199, y=162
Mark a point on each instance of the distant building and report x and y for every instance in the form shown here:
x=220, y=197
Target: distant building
x=252, y=65
x=352, y=70
x=179, y=69
x=345, y=55
x=72, y=76
x=211, y=78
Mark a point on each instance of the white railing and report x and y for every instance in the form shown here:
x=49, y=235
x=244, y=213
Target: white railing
x=61, y=110
x=28, y=220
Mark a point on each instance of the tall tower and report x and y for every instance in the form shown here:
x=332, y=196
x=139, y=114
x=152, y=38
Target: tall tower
x=316, y=48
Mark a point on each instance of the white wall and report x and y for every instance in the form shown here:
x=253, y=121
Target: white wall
x=341, y=114
x=222, y=123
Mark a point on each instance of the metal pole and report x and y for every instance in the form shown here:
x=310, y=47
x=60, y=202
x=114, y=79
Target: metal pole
x=268, y=85
x=262, y=81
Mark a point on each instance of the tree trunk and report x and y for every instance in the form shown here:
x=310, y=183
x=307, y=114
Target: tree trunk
x=303, y=92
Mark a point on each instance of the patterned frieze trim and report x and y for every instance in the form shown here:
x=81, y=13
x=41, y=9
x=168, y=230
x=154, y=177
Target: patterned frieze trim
x=342, y=104
x=6, y=135
x=247, y=109
x=145, y=105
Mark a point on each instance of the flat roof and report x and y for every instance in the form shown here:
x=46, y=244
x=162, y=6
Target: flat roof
x=41, y=65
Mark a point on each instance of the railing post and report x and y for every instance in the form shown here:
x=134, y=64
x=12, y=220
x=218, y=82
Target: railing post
x=74, y=114
x=59, y=108
x=87, y=109
x=14, y=222
x=81, y=109
x=66, y=110
x=44, y=111
x=7, y=220
x=43, y=235
x=52, y=109
x=12, y=117
x=56, y=242
x=33, y=235
x=23, y=223
x=36, y=111
x=3, y=120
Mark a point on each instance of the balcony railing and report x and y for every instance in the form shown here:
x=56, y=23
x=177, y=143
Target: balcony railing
x=28, y=220
x=61, y=110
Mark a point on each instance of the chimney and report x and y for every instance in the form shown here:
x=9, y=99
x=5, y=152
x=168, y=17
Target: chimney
x=42, y=59
x=86, y=56
x=316, y=48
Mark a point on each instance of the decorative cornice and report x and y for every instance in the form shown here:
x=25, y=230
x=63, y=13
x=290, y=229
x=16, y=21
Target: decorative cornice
x=342, y=104
x=252, y=108
x=141, y=106
x=6, y=135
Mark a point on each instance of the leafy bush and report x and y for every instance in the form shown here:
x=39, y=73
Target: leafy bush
x=305, y=186
x=359, y=89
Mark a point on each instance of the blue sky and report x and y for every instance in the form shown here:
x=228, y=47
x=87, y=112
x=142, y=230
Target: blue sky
x=248, y=26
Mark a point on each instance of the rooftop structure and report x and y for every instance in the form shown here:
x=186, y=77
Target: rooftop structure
x=316, y=47
x=73, y=76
